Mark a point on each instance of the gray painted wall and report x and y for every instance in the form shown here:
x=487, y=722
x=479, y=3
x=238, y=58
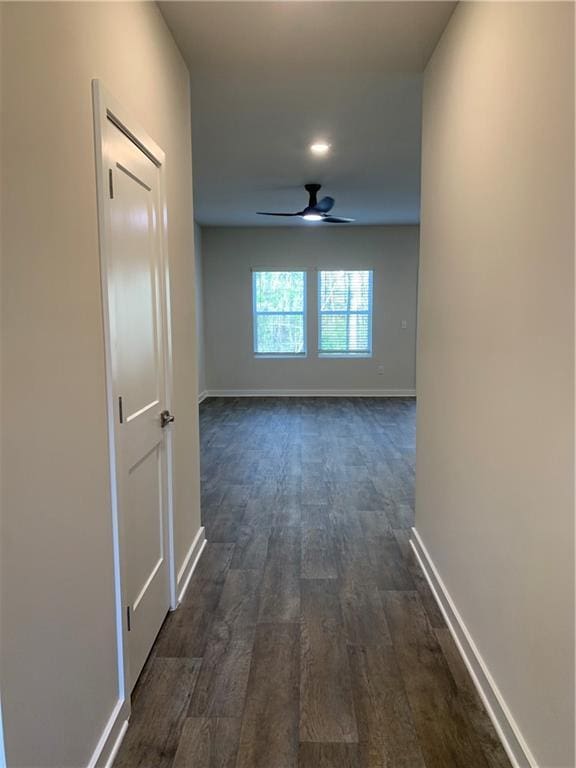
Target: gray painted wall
x=229, y=254
x=199, y=309
x=58, y=629
x=495, y=479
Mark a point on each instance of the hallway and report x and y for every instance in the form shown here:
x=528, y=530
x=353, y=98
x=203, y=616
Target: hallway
x=308, y=636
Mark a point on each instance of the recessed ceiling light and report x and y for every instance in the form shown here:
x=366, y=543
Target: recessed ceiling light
x=319, y=147
x=312, y=217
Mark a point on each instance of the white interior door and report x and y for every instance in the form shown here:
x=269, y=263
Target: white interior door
x=137, y=339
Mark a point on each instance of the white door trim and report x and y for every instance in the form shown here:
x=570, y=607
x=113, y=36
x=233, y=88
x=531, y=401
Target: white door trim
x=2, y=751
x=107, y=109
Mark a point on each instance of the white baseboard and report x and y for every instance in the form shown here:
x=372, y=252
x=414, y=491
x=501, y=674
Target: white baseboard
x=310, y=393
x=190, y=563
x=111, y=738
x=202, y=396
x=499, y=712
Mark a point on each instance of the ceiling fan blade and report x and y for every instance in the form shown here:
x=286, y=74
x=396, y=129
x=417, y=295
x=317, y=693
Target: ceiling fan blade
x=337, y=220
x=266, y=213
x=325, y=205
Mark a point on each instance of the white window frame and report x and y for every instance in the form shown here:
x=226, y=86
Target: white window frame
x=255, y=313
x=370, y=312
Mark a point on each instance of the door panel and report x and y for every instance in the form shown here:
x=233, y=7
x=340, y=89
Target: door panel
x=137, y=338
x=143, y=525
x=138, y=361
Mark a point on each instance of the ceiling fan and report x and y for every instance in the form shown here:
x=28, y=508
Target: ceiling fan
x=316, y=210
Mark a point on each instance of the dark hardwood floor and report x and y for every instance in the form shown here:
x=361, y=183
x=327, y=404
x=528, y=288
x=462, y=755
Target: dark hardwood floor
x=308, y=636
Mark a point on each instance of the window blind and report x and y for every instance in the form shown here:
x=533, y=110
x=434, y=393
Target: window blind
x=345, y=312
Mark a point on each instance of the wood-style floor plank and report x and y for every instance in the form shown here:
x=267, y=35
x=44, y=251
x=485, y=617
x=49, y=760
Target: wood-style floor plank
x=221, y=686
x=208, y=579
x=224, y=527
x=314, y=516
x=280, y=589
x=208, y=742
x=313, y=755
x=185, y=633
x=375, y=523
x=161, y=699
x=251, y=548
x=445, y=734
x=363, y=618
x=238, y=606
x=352, y=556
x=269, y=735
x=391, y=569
x=318, y=557
x=401, y=515
x=326, y=699
x=359, y=496
x=385, y=726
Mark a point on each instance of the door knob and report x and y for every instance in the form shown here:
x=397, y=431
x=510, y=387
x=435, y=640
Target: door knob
x=165, y=418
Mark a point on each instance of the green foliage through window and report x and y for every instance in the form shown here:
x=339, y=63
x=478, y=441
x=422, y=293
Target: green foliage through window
x=279, y=313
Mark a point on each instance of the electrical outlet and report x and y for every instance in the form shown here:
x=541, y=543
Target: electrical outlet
x=380, y=370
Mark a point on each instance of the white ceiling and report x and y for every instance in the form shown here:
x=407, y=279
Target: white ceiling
x=268, y=78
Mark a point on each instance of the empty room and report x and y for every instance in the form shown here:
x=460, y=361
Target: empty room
x=287, y=384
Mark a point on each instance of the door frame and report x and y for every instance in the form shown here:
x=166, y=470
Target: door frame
x=108, y=110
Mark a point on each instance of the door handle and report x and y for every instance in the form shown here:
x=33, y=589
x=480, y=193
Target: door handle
x=166, y=418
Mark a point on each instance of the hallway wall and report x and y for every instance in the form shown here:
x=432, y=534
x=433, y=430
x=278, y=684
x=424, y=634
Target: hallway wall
x=495, y=457
x=229, y=255
x=58, y=666
x=198, y=260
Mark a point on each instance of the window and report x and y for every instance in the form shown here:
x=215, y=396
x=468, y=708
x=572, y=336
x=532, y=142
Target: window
x=279, y=300
x=345, y=313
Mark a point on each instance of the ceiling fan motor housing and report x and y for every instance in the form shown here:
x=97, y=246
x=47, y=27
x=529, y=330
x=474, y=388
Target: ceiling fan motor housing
x=315, y=210
x=313, y=190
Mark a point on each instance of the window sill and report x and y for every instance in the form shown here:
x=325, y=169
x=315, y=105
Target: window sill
x=345, y=355
x=280, y=357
